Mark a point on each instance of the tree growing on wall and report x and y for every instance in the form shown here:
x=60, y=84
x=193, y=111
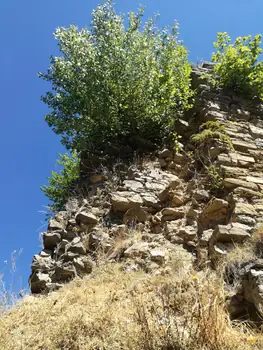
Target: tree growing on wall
x=112, y=82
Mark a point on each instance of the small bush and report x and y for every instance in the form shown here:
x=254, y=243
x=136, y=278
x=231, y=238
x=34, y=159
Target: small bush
x=237, y=67
x=59, y=188
x=112, y=82
x=209, y=131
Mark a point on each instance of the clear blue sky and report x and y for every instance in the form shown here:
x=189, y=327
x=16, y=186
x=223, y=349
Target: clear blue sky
x=28, y=146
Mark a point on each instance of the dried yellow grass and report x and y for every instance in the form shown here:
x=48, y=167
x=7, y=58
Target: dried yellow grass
x=114, y=310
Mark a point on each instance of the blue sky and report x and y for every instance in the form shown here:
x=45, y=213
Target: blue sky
x=28, y=146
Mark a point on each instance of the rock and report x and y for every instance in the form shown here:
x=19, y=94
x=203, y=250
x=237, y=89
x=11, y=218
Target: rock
x=253, y=287
x=76, y=246
x=245, y=192
x=205, y=237
x=234, y=232
x=42, y=263
x=234, y=171
x=232, y=183
x=122, y=201
x=38, y=282
x=86, y=218
x=177, y=201
x=166, y=153
x=83, y=265
x=150, y=200
x=243, y=146
x=96, y=178
x=247, y=220
x=255, y=131
x=158, y=256
x=65, y=272
x=200, y=195
x=244, y=209
x=255, y=180
x=99, y=240
x=162, y=162
x=133, y=186
x=188, y=233
x=192, y=213
x=55, y=225
x=170, y=214
x=138, y=249
x=134, y=215
x=215, y=212
x=51, y=239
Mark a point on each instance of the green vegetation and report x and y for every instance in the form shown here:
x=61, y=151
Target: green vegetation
x=113, y=82
x=237, y=67
x=209, y=131
x=58, y=190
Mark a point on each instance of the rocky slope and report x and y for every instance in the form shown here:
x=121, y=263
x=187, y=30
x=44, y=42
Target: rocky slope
x=198, y=202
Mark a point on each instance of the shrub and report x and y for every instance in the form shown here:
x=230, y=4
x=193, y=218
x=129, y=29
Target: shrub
x=209, y=131
x=59, y=188
x=237, y=67
x=113, y=82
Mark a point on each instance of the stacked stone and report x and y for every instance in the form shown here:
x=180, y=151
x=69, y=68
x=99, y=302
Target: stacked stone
x=161, y=209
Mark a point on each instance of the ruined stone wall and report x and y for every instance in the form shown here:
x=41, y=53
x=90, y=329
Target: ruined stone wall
x=163, y=206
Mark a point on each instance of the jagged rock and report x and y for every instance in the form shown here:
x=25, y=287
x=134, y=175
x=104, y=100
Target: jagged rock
x=150, y=200
x=177, y=201
x=123, y=201
x=234, y=232
x=205, y=237
x=232, y=183
x=188, y=233
x=65, y=272
x=55, y=225
x=166, y=153
x=83, y=265
x=42, y=263
x=45, y=253
x=170, y=214
x=51, y=239
x=253, y=286
x=215, y=212
x=76, y=246
x=99, y=240
x=138, y=249
x=86, y=218
x=38, y=282
x=133, y=215
x=69, y=256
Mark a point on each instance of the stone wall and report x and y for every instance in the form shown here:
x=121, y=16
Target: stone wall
x=163, y=206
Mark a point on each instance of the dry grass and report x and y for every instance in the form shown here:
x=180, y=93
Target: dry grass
x=114, y=310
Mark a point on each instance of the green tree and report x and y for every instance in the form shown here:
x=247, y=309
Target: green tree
x=60, y=183
x=113, y=82
x=237, y=67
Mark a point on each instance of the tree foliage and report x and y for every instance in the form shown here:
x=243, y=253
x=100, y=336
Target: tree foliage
x=112, y=82
x=237, y=66
x=60, y=183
